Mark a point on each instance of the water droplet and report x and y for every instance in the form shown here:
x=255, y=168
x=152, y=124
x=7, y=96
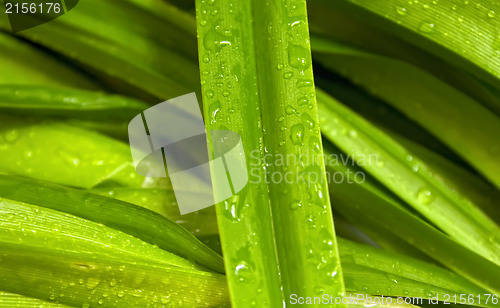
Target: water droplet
x=401, y=10
x=425, y=196
x=288, y=75
x=290, y=109
x=299, y=57
x=296, y=205
x=302, y=101
x=209, y=94
x=427, y=27
x=203, y=23
x=297, y=134
x=491, y=14
x=308, y=120
x=112, y=282
x=304, y=83
x=11, y=135
x=315, y=143
x=224, y=43
x=242, y=270
x=92, y=283
x=280, y=66
x=215, y=112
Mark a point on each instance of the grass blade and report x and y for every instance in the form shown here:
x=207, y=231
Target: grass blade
x=162, y=201
x=34, y=226
x=48, y=101
x=87, y=280
x=39, y=150
x=375, y=271
x=461, y=33
x=134, y=220
x=367, y=204
x=123, y=53
x=394, y=167
x=11, y=300
x=24, y=64
x=426, y=100
x=259, y=79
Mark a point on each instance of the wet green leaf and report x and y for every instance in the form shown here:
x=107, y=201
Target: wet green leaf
x=47, y=101
x=257, y=80
x=60, y=153
x=426, y=100
x=144, y=224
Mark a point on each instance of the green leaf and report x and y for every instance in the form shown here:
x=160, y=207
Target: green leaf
x=257, y=80
x=134, y=220
x=11, y=300
x=88, y=280
x=462, y=33
x=378, y=112
x=108, y=47
x=63, y=154
x=469, y=184
x=162, y=201
x=374, y=271
x=48, y=101
x=394, y=166
x=426, y=100
x=365, y=204
x=35, y=226
x=25, y=64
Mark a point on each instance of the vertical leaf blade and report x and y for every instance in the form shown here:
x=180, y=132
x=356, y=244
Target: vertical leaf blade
x=256, y=75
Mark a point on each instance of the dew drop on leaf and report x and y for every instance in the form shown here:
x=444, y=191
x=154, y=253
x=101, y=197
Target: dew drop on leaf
x=427, y=27
x=297, y=134
x=314, y=143
x=425, y=196
x=308, y=120
x=401, y=10
x=299, y=57
x=242, y=270
x=302, y=101
x=290, y=109
x=209, y=94
x=11, y=135
x=296, y=205
x=92, y=283
x=304, y=83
